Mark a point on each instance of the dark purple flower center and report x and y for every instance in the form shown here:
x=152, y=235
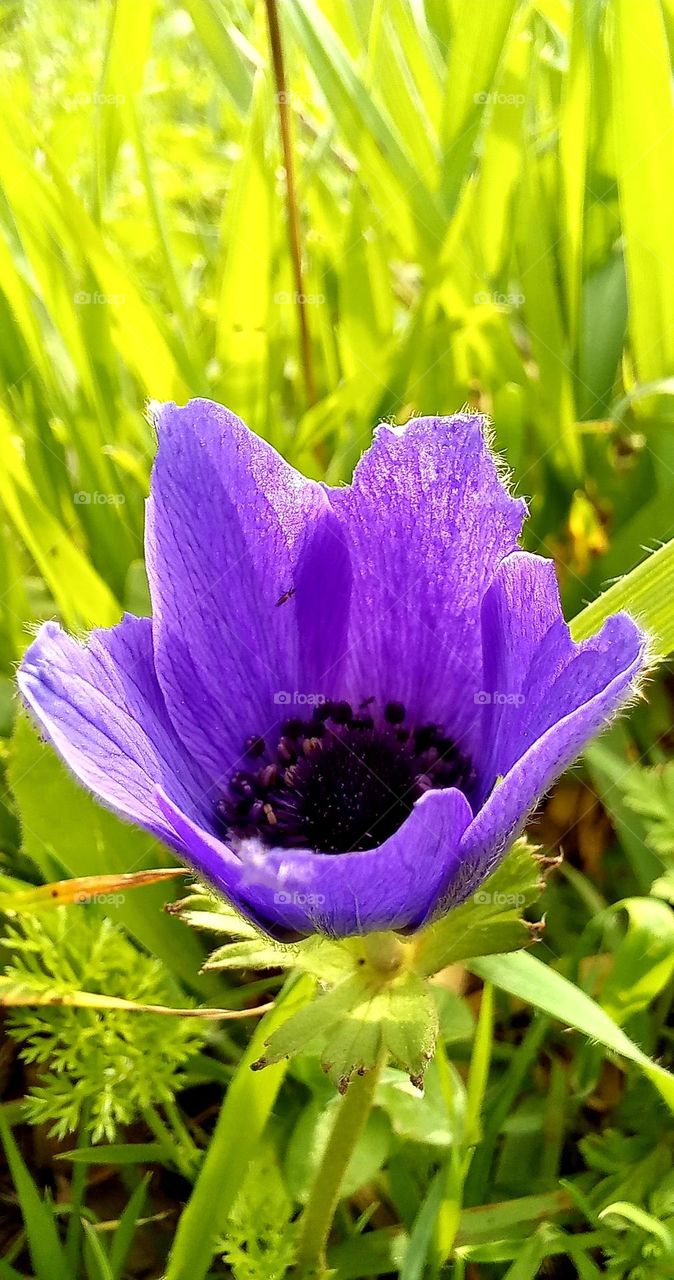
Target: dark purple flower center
x=339, y=781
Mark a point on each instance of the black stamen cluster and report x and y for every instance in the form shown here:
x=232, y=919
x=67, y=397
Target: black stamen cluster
x=341, y=781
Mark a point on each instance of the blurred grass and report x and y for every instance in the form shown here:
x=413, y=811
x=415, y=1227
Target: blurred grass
x=486, y=194
x=486, y=197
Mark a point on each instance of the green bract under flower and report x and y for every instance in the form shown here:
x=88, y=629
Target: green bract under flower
x=373, y=994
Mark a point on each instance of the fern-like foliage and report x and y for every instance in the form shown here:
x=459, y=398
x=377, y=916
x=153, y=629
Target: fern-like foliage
x=100, y=1068
x=261, y=1238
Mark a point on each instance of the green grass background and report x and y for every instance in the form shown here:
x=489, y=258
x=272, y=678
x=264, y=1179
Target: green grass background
x=486, y=195
x=486, y=201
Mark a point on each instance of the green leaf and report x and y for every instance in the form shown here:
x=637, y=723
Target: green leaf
x=308, y=1142
x=573, y=145
x=9, y=1273
x=387, y=168
x=82, y=597
x=79, y=889
x=115, y=1153
x=98, y=1267
x=647, y=592
x=128, y=47
x=609, y=764
x=44, y=1245
x=244, y=308
x=16, y=995
x=383, y=1252
x=252, y=949
x=644, y=154
x=650, y=793
x=476, y=49
x=526, y=977
x=376, y=1253
x=252, y=954
x=218, y=40
x=456, y=1020
x=415, y=1116
x=543, y=310
x=312, y=1025
x=356, y=1020
x=128, y=1222
x=490, y=921
x=643, y=960
x=232, y=1147
x=604, y=317
x=633, y=1214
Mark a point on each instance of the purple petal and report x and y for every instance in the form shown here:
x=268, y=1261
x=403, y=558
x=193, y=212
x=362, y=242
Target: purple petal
x=535, y=675
x=391, y=887
x=519, y=611
x=428, y=520
x=240, y=548
x=570, y=693
x=101, y=708
x=322, y=600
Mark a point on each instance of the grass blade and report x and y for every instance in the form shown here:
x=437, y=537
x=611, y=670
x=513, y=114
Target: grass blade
x=647, y=592
x=231, y=1148
x=45, y=1248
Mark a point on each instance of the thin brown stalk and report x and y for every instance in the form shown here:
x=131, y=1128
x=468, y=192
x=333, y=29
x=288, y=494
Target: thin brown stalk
x=294, y=237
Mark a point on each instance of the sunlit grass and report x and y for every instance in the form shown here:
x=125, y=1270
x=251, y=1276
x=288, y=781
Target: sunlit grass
x=486, y=202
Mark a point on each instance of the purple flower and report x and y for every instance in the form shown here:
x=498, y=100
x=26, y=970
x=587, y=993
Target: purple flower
x=347, y=701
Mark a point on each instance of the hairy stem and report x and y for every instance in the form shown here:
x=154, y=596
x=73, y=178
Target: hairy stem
x=351, y=1119
x=291, y=197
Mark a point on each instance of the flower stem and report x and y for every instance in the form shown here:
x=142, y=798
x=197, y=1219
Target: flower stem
x=291, y=197
x=351, y=1119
